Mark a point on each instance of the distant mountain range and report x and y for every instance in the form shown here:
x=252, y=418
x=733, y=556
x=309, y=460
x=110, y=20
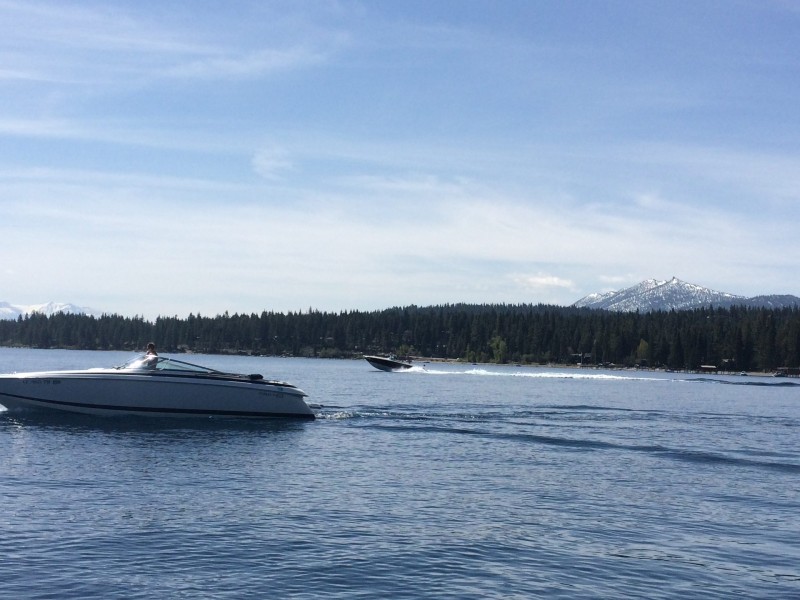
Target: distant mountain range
x=653, y=295
x=14, y=311
x=649, y=295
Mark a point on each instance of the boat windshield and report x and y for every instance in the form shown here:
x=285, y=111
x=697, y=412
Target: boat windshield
x=159, y=363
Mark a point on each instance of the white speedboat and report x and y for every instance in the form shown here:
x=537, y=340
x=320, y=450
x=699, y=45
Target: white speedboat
x=154, y=386
x=387, y=364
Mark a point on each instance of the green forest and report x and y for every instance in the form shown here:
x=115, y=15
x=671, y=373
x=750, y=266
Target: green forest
x=731, y=339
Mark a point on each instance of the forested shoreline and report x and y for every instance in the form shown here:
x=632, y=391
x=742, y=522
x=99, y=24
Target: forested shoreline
x=733, y=339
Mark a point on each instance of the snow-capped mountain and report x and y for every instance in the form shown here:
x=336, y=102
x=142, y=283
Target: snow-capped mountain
x=622, y=300
x=652, y=294
x=14, y=311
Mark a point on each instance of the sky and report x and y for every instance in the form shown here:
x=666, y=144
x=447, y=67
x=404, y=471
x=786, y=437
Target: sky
x=174, y=158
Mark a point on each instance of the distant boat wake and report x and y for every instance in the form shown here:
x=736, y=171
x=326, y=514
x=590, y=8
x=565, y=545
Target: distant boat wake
x=582, y=375
x=478, y=372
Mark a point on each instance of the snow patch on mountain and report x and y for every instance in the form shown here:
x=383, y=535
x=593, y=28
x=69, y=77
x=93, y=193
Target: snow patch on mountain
x=675, y=294
x=10, y=311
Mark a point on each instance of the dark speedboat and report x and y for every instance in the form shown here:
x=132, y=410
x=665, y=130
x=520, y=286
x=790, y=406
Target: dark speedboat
x=387, y=364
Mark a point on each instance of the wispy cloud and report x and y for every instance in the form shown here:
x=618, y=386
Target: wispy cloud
x=542, y=281
x=248, y=65
x=271, y=163
x=349, y=155
x=77, y=44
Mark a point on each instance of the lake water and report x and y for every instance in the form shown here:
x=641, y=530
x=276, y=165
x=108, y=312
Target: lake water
x=452, y=481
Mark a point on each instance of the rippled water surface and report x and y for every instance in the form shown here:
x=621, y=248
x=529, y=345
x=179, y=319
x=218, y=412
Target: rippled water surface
x=448, y=481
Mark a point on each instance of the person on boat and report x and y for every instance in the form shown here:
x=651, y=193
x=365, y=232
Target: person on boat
x=150, y=357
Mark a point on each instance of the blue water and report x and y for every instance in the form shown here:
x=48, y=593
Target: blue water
x=453, y=481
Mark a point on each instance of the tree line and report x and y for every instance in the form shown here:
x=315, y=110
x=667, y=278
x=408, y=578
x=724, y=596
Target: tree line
x=734, y=339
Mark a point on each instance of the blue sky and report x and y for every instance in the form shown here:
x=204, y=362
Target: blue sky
x=167, y=158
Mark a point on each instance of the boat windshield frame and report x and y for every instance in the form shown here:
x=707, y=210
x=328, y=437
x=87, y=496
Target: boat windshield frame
x=149, y=362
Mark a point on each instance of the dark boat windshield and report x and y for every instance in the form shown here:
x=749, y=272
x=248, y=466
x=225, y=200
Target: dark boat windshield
x=159, y=363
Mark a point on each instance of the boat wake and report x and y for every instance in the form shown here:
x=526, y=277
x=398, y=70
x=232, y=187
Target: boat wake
x=530, y=427
x=767, y=382
x=602, y=376
x=483, y=372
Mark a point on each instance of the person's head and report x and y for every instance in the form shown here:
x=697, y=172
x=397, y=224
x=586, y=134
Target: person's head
x=151, y=347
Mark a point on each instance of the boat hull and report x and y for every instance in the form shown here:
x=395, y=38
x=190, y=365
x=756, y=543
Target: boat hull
x=110, y=393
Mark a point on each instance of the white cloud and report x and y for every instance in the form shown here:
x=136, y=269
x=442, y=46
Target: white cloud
x=271, y=163
x=621, y=280
x=543, y=282
x=246, y=65
x=650, y=201
x=101, y=48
